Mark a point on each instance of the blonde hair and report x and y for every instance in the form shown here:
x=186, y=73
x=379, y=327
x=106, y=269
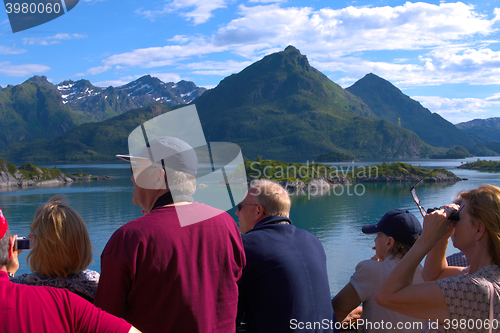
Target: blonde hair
x=485, y=207
x=272, y=196
x=62, y=243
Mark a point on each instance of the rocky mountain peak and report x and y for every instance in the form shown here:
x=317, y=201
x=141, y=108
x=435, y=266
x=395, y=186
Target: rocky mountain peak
x=38, y=79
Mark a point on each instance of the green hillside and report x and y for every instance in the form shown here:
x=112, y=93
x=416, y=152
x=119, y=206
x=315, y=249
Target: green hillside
x=482, y=165
x=458, y=152
x=279, y=108
x=282, y=108
x=389, y=103
x=89, y=142
x=486, y=129
x=33, y=110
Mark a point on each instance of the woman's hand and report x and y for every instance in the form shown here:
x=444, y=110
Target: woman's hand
x=437, y=227
x=13, y=263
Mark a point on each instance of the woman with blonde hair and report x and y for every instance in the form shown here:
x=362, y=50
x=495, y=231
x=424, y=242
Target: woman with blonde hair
x=456, y=299
x=62, y=251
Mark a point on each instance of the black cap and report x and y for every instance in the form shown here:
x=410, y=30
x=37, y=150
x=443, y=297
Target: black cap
x=400, y=224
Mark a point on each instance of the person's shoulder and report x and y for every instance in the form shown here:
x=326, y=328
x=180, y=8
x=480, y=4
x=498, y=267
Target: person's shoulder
x=27, y=278
x=212, y=212
x=370, y=264
x=132, y=227
x=304, y=233
x=46, y=292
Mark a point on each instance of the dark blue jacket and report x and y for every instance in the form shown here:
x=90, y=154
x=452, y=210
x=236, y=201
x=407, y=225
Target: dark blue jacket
x=284, y=287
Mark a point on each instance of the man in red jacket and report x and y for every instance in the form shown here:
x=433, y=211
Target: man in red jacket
x=176, y=268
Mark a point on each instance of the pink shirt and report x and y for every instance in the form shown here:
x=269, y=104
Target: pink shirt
x=45, y=309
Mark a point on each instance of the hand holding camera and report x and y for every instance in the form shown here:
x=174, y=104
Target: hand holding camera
x=23, y=243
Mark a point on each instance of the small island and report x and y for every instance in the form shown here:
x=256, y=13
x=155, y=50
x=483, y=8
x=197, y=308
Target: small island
x=299, y=177
x=481, y=165
x=31, y=175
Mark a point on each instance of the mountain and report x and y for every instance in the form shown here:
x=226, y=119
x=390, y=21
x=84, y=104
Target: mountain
x=37, y=109
x=487, y=130
x=89, y=142
x=279, y=107
x=389, y=103
x=95, y=104
x=282, y=108
x=33, y=110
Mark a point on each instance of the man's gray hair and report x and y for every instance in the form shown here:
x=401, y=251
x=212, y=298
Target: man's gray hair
x=272, y=196
x=180, y=182
x=4, y=248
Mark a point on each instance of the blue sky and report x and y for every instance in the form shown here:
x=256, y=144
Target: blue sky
x=445, y=55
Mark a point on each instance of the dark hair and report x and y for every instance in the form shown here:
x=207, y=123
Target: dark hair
x=4, y=248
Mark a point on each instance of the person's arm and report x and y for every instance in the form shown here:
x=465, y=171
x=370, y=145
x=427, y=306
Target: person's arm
x=425, y=300
x=435, y=266
x=134, y=330
x=13, y=263
x=345, y=301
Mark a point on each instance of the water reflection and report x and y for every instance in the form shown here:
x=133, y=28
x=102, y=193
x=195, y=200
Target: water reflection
x=335, y=218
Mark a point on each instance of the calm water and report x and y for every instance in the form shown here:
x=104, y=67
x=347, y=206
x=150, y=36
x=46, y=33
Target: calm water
x=335, y=218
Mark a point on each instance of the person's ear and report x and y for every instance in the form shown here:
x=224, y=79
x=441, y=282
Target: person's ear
x=260, y=211
x=11, y=247
x=390, y=243
x=481, y=230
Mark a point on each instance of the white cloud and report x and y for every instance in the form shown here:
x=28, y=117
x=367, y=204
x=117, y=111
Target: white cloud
x=10, y=50
x=476, y=66
x=494, y=98
x=181, y=39
x=95, y=70
x=113, y=83
x=7, y=69
x=333, y=33
x=167, y=77
x=164, y=77
x=56, y=39
x=160, y=56
x=201, y=13
x=458, y=110
x=336, y=40
x=223, y=68
x=267, y=1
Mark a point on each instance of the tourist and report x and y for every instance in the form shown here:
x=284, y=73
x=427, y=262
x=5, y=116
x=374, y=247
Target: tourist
x=161, y=274
x=455, y=295
x=396, y=232
x=285, y=284
x=26, y=309
x=62, y=251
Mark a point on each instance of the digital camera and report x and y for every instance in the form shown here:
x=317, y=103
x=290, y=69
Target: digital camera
x=23, y=243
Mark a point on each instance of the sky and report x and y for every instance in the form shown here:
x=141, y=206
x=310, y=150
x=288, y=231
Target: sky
x=446, y=55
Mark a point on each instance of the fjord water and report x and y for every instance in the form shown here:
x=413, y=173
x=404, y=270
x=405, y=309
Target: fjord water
x=335, y=218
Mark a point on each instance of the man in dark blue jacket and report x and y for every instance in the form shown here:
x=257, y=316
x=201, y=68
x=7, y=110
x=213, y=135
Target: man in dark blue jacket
x=284, y=286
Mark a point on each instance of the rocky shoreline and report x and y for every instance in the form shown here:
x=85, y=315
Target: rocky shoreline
x=322, y=184
x=29, y=175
